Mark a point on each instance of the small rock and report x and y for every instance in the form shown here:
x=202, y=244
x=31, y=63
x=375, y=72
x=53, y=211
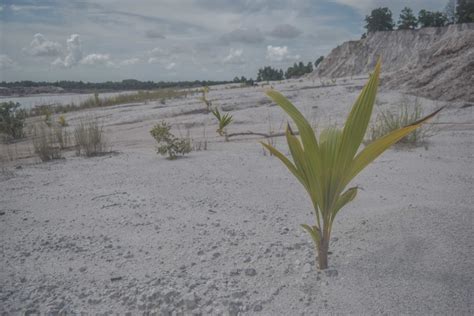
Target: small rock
x=250, y=272
x=82, y=269
x=239, y=294
x=118, y=278
x=247, y=260
x=94, y=301
x=258, y=308
x=190, y=300
x=331, y=273
x=307, y=268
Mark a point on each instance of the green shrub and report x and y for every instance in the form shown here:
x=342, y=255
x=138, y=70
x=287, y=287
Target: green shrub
x=387, y=121
x=12, y=120
x=62, y=121
x=89, y=138
x=168, y=144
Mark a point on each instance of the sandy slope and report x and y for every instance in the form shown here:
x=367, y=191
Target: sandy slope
x=218, y=232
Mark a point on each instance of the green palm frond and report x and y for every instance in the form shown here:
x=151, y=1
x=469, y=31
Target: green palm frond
x=326, y=166
x=224, y=120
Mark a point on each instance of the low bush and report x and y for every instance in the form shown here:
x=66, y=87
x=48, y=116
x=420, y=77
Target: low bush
x=387, y=121
x=12, y=120
x=168, y=144
x=45, y=142
x=89, y=138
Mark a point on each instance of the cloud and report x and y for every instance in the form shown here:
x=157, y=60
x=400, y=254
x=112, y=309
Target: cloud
x=364, y=7
x=97, y=59
x=247, y=36
x=170, y=66
x=285, y=31
x=154, y=34
x=234, y=57
x=129, y=62
x=279, y=53
x=74, y=53
x=6, y=62
x=41, y=47
x=28, y=7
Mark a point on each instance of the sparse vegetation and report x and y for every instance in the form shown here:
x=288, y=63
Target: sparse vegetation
x=208, y=103
x=387, y=121
x=96, y=101
x=62, y=121
x=12, y=120
x=89, y=138
x=325, y=167
x=168, y=144
x=46, y=143
x=224, y=120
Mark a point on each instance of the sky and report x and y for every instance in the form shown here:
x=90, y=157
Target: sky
x=172, y=40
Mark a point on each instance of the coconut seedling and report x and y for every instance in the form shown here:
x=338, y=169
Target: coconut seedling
x=208, y=103
x=326, y=166
x=224, y=121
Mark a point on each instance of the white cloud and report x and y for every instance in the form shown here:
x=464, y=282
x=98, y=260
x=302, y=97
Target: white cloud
x=6, y=62
x=41, y=47
x=234, y=57
x=129, y=62
x=170, y=66
x=74, y=52
x=279, y=53
x=28, y=7
x=15, y=7
x=97, y=59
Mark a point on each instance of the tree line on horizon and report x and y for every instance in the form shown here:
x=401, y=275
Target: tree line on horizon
x=455, y=12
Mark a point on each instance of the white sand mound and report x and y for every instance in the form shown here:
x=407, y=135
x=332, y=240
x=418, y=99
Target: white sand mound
x=436, y=63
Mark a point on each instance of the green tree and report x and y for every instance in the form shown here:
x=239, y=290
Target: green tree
x=450, y=12
x=465, y=11
x=407, y=20
x=12, y=120
x=318, y=61
x=431, y=19
x=380, y=19
x=268, y=73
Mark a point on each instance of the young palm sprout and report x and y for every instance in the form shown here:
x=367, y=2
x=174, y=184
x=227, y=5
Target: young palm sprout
x=208, y=103
x=326, y=166
x=224, y=120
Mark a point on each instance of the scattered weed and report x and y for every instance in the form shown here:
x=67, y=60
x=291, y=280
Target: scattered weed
x=168, y=144
x=89, y=138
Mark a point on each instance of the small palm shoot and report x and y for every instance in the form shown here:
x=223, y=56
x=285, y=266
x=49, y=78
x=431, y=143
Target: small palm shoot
x=326, y=166
x=224, y=121
x=208, y=103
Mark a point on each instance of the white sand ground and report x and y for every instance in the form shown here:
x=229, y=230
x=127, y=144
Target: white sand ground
x=218, y=232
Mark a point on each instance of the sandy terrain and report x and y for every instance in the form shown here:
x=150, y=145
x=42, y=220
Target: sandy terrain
x=217, y=232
